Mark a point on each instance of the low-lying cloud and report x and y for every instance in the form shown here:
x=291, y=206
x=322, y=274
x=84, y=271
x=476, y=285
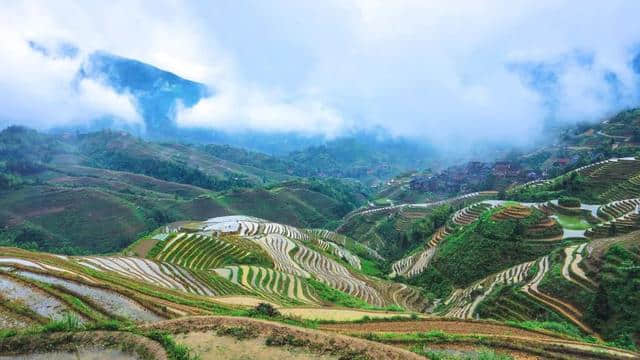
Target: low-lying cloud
x=38, y=87
x=460, y=72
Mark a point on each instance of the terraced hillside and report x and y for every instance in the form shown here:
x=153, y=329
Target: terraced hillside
x=601, y=182
x=276, y=262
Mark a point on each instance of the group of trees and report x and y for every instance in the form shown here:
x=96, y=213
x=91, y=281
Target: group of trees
x=166, y=170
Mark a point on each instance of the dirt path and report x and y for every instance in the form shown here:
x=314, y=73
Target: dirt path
x=337, y=314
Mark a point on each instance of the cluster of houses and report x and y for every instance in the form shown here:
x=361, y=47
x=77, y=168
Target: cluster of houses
x=479, y=175
x=474, y=176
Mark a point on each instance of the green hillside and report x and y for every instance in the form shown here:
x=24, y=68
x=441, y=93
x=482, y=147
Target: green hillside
x=100, y=191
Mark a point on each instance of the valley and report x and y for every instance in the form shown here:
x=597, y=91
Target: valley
x=552, y=278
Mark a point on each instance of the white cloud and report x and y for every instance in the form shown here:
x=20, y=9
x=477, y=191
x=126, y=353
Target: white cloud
x=39, y=90
x=439, y=72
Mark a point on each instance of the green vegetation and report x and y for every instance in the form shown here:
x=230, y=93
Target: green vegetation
x=557, y=327
x=237, y=332
x=487, y=246
x=572, y=222
x=435, y=284
x=447, y=355
x=556, y=285
x=510, y=304
x=568, y=201
x=614, y=311
x=335, y=296
x=340, y=298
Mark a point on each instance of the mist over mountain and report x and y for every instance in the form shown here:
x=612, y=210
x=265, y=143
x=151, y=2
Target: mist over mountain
x=191, y=73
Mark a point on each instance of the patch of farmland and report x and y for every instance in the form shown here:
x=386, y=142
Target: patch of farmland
x=470, y=213
x=336, y=275
x=200, y=252
x=340, y=252
x=339, y=314
x=404, y=296
x=250, y=226
x=110, y=301
x=463, y=302
x=571, y=269
x=160, y=274
x=567, y=310
x=36, y=300
x=271, y=284
x=328, y=235
x=278, y=247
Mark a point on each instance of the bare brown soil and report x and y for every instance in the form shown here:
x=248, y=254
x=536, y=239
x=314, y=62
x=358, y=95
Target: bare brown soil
x=209, y=346
x=142, y=247
x=317, y=342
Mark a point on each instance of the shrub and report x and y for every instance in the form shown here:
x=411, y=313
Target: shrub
x=266, y=309
x=567, y=201
x=69, y=322
x=176, y=351
x=276, y=339
x=238, y=332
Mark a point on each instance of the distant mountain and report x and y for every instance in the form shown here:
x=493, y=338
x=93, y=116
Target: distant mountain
x=157, y=92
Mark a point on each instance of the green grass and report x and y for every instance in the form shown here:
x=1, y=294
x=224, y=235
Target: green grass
x=484, y=354
x=340, y=298
x=557, y=327
x=572, y=222
x=487, y=246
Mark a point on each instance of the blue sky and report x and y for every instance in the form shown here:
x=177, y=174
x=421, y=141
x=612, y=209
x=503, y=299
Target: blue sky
x=440, y=72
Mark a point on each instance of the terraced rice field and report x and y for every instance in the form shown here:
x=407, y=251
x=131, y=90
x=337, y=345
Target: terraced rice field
x=279, y=247
x=328, y=235
x=37, y=301
x=516, y=211
x=158, y=273
x=414, y=265
x=257, y=229
x=532, y=342
x=616, y=209
x=271, y=284
x=200, y=252
x=454, y=200
x=470, y=214
x=569, y=311
x=571, y=268
x=622, y=225
x=339, y=314
x=464, y=302
x=406, y=297
x=109, y=302
x=340, y=252
x=336, y=275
